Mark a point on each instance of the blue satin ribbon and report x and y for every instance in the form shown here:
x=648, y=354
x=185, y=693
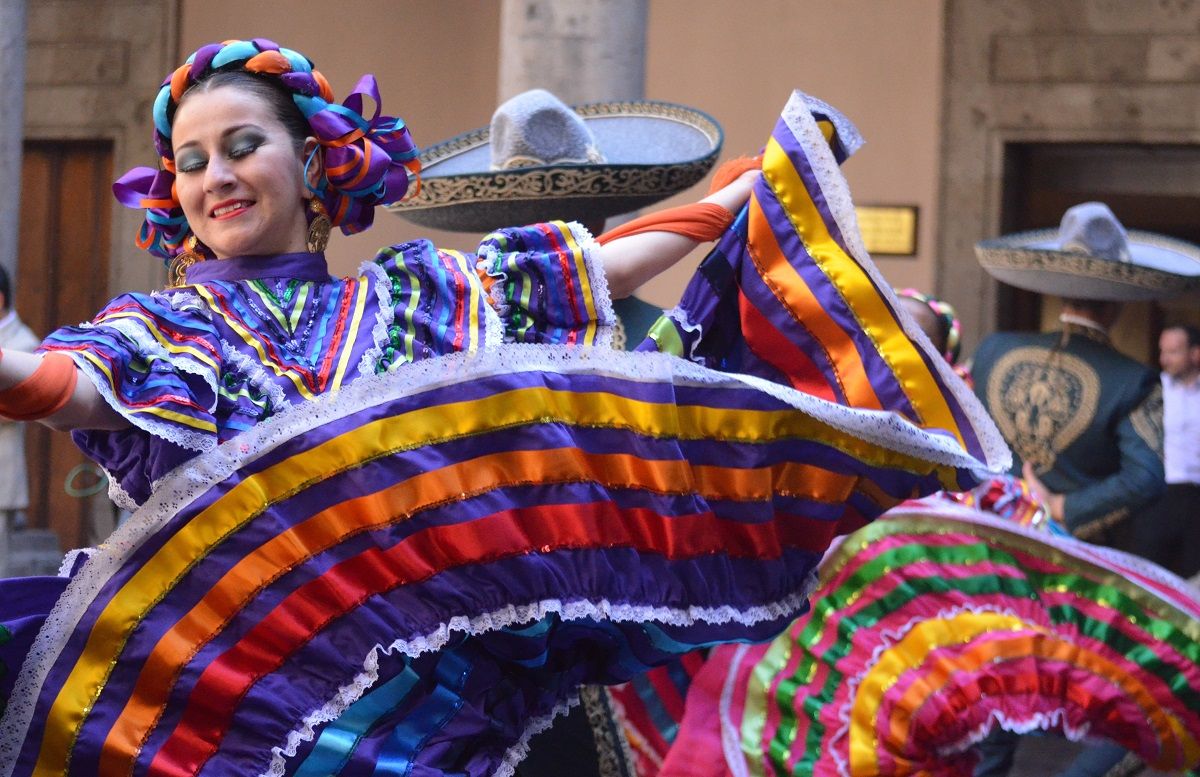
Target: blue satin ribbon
x=408, y=739
x=341, y=737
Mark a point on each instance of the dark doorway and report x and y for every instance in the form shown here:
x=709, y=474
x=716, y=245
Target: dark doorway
x=62, y=279
x=1153, y=187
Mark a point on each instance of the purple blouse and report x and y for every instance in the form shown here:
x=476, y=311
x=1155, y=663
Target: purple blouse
x=191, y=367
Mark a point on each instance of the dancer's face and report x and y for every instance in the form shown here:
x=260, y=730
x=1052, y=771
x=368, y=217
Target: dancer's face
x=239, y=174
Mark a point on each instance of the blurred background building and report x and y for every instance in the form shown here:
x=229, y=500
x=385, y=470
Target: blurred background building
x=981, y=117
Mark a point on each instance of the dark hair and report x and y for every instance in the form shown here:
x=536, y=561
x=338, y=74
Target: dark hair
x=269, y=89
x=1189, y=330
x=1096, y=307
x=5, y=289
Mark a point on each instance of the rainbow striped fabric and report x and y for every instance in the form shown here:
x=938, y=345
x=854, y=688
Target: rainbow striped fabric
x=415, y=572
x=248, y=339
x=937, y=624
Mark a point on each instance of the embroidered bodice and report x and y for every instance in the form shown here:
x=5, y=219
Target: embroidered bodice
x=247, y=337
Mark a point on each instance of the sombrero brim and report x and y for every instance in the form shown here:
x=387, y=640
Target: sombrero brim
x=653, y=150
x=1159, y=267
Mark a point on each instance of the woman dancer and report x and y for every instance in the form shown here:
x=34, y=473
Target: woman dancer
x=389, y=523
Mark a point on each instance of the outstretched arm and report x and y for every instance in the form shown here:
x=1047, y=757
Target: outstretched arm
x=46, y=388
x=631, y=260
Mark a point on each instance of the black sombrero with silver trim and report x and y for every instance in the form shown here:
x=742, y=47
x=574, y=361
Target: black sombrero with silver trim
x=1092, y=256
x=540, y=160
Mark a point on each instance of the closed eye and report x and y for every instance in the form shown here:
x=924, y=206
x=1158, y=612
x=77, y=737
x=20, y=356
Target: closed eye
x=243, y=150
x=190, y=165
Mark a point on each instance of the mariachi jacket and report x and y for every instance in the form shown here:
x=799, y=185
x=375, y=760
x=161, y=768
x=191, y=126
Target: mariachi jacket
x=1088, y=418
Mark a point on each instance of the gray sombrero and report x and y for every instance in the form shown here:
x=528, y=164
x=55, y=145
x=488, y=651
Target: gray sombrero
x=1092, y=256
x=540, y=160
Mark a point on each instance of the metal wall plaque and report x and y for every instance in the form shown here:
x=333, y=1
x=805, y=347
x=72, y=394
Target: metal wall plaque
x=888, y=230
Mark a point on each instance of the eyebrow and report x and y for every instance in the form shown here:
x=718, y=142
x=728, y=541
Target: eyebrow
x=225, y=134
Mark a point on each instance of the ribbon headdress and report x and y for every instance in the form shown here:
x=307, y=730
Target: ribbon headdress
x=947, y=319
x=368, y=161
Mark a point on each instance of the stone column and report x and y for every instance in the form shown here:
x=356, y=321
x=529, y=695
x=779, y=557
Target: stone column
x=12, y=102
x=581, y=50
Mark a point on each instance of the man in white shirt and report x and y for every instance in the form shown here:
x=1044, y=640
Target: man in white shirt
x=14, y=490
x=1169, y=532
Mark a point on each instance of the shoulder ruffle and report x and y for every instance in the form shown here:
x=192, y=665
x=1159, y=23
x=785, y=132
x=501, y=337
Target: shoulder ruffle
x=547, y=284
x=156, y=360
x=438, y=304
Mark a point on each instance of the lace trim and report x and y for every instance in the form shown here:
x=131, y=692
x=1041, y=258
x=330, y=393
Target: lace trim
x=193, y=478
x=605, y=315
x=346, y=696
x=613, y=750
x=520, y=750
x=119, y=496
x=68, y=562
x=385, y=316
x=184, y=300
x=519, y=614
x=256, y=375
x=888, y=639
x=1039, y=721
x=491, y=263
x=497, y=310
x=188, y=439
x=148, y=344
x=848, y=134
x=797, y=114
x=680, y=317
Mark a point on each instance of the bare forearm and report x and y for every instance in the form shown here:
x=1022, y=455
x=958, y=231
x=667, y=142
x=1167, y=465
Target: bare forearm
x=84, y=409
x=632, y=260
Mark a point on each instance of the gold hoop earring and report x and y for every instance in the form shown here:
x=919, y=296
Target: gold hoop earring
x=177, y=270
x=318, y=228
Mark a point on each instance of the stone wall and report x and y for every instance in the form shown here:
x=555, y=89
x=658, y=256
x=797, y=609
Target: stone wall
x=86, y=72
x=1061, y=71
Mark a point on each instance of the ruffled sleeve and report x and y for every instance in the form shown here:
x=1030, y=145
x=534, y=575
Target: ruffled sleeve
x=547, y=284
x=157, y=361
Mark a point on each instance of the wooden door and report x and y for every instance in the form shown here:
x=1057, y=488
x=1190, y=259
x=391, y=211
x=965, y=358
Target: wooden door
x=66, y=203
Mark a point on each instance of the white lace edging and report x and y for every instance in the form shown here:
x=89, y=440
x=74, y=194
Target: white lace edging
x=188, y=439
x=491, y=261
x=601, y=297
x=346, y=696
x=847, y=134
x=385, y=315
x=1054, y=720
x=256, y=375
x=191, y=479
x=680, y=317
x=68, y=562
x=797, y=114
x=519, y=751
x=117, y=493
x=185, y=299
x=888, y=639
x=147, y=343
x=496, y=311
x=512, y=615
